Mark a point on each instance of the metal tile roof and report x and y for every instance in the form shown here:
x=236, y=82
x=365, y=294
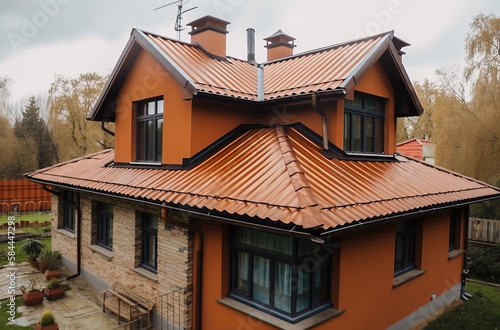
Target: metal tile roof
x=278, y=174
x=318, y=70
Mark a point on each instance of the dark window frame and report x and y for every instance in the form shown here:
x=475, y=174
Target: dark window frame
x=455, y=229
x=149, y=233
x=149, y=150
x=69, y=210
x=359, y=108
x=105, y=225
x=405, y=255
x=318, y=268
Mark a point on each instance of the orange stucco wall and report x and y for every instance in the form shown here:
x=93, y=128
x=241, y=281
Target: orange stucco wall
x=148, y=79
x=191, y=125
x=365, y=274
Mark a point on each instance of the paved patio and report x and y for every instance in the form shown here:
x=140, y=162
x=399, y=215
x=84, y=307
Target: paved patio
x=79, y=309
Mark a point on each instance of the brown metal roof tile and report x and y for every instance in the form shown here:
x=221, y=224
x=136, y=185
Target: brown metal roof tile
x=280, y=175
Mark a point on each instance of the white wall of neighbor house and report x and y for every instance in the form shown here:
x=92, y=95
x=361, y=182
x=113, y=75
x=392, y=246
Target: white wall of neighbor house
x=120, y=267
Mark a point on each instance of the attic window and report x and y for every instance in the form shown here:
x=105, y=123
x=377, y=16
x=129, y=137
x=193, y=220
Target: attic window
x=149, y=130
x=364, y=119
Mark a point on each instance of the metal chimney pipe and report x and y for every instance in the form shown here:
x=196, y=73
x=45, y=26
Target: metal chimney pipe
x=251, y=45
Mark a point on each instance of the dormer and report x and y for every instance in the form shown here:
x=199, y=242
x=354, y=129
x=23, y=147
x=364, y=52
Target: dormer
x=172, y=100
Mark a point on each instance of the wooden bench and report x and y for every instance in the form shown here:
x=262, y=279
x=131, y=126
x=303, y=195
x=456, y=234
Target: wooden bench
x=127, y=304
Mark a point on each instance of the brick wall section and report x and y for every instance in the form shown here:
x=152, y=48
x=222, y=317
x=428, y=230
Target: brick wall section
x=174, y=250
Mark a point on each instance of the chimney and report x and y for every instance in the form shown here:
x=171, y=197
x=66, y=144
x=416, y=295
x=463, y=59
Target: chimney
x=279, y=45
x=251, y=46
x=210, y=33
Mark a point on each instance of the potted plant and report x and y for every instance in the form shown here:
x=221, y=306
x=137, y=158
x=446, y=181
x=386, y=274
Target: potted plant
x=47, y=322
x=52, y=261
x=54, y=290
x=32, y=247
x=33, y=296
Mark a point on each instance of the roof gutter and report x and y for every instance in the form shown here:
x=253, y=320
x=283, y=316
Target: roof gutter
x=294, y=231
x=379, y=221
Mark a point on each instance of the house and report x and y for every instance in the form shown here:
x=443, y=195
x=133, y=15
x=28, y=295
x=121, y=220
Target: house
x=268, y=194
x=417, y=148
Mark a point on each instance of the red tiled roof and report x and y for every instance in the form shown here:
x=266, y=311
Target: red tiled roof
x=412, y=148
x=278, y=174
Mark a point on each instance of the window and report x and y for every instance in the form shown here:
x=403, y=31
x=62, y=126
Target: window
x=284, y=276
x=406, y=235
x=364, y=119
x=69, y=210
x=454, y=230
x=149, y=241
x=105, y=225
x=149, y=131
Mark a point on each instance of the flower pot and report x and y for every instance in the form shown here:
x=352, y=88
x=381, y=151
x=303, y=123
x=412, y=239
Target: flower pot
x=33, y=298
x=42, y=267
x=33, y=263
x=47, y=327
x=54, y=294
x=50, y=273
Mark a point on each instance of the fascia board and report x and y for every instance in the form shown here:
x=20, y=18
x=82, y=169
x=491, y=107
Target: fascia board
x=177, y=72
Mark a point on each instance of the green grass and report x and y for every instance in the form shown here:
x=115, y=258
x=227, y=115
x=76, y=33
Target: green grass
x=480, y=312
x=4, y=316
x=20, y=255
x=40, y=217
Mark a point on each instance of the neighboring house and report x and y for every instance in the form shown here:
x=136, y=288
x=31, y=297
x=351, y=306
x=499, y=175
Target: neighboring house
x=269, y=193
x=417, y=148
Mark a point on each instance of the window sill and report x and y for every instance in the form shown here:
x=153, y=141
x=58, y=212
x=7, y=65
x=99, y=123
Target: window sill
x=455, y=253
x=146, y=163
x=66, y=232
x=146, y=273
x=406, y=277
x=308, y=323
x=103, y=251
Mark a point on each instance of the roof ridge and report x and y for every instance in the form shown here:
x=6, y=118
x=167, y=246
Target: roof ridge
x=308, y=203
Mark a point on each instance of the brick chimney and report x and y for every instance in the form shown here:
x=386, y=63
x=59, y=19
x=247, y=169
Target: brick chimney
x=279, y=45
x=210, y=32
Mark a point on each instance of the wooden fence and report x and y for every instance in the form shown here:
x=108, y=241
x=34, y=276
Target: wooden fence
x=484, y=230
x=23, y=196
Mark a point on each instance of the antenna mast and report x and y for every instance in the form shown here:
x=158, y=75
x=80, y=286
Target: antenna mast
x=178, y=22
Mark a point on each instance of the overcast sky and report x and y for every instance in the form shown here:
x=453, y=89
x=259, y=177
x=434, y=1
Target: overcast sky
x=40, y=38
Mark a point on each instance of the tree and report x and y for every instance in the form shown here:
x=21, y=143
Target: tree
x=70, y=102
x=35, y=148
x=467, y=131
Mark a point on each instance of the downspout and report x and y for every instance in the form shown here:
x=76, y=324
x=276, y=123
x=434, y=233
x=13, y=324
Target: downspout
x=315, y=104
x=78, y=240
x=465, y=271
x=105, y=130
x=198, y=254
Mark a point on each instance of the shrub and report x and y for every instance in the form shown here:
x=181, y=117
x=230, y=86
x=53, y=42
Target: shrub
x=51, y=259
x=53, y=283
x=485, y=262
x=32, y=247
x=47, y=318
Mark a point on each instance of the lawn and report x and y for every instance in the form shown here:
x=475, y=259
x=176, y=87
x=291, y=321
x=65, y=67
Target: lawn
x=4, y=308
x=40, y=217
x=480, y=312
x=20, y=256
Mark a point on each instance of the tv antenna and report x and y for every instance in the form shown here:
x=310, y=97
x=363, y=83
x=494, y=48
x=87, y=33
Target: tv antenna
x=178, y=22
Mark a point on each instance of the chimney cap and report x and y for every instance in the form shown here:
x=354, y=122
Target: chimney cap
x=279, y=38
x=208, y=22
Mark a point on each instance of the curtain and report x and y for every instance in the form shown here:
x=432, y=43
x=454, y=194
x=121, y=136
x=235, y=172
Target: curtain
x=242, y=264
x=261, y=279
x=283, y=287
x=303, y=289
